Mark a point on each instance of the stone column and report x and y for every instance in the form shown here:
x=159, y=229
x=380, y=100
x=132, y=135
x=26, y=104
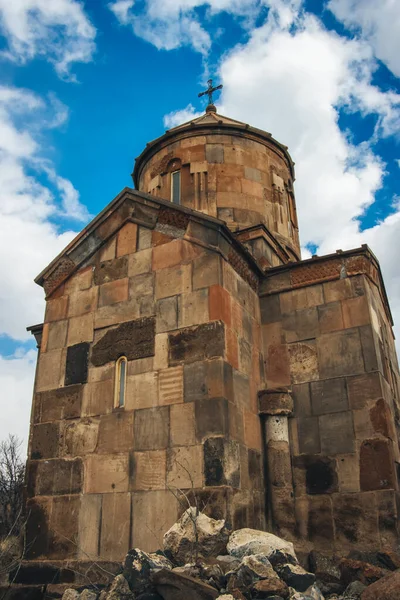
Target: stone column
x=275, y=406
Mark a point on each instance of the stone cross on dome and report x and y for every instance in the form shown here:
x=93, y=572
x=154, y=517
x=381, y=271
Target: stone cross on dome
x=209, y=91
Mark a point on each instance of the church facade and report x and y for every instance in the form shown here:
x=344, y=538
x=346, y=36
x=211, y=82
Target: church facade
x=188, y=354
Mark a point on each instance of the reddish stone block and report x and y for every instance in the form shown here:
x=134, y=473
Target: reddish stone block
x=376, y=465
x=232, y=349
x=330, y=317
x=277, y=366
x=380, y=418
x=113, y=292
x=56, y=309
x=219, y=302
x=126, y=240
x=158, y=238
x=355, y=312
x=363, y=388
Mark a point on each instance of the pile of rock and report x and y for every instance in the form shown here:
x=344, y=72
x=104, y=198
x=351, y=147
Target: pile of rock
x=202, y=560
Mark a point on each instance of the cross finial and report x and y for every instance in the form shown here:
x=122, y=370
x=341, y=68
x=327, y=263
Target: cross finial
x=209, y=91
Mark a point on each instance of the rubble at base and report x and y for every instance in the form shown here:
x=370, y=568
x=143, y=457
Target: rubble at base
x=201, y=560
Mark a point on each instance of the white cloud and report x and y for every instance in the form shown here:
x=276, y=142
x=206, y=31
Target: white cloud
x=177, y=117
x=16, y=376
x=377, y=22
x=28, y=237
x=56, y=29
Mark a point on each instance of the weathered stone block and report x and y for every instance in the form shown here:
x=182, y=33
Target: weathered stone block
x=303, y=361
x=82, y=302
x=144, y=238
x=61, y=403
x=376, y=465
x=363, y=389
x=170, y=386
x=133, y=339
x=151, y=428
x=115, y=314
x=348, y=473
x=45, y=441
x=115, y=432
x=113, y=292
x=107, y=252
x=76, y=370
x=277, y=365
x=320, y=520
x=194, y=308
x=329, y=396
x=126, y=239
x=80, y=437
x=142, y=391
x=59, y=477
x=80, y=329
x=370, y=352
x=330, y=317
x=159, y=510
x=252, y=430
x=197, y=343
x=185, y=467
x=105, y=474
x=211, y=418
x=301, y=399
x=337, y=433
x=49, y=375
x=182, y=425
x=355, y=312
x=167, y=314
x=115, y=526
x=149, y=470
x=214, y=153
x=207, y=271
x=141, y=285
x=241, y=390
x=111, y=270
x=308, y=432
x=172, y=281
x=270, y=309
x=57, y=335
x=140, y=262
x=56, y=309
x=89, y=526
x=300, y=324
x=64, y=527
x=340, y=354
x=356, y=520
x=98, y=398
x=80, y=280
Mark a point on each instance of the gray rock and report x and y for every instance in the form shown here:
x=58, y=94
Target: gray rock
x=88, y=595
x=119, y=589
x=227, y=562
x=195, y=536
x=254, y=567
x=354, y=590
x=70, y=594
x=251, y=541
x=296, y=577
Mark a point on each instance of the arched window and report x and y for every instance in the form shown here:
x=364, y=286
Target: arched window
x=120, y=382
x=176, y=187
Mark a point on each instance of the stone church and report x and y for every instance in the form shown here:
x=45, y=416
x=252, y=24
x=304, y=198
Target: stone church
x=188, y=352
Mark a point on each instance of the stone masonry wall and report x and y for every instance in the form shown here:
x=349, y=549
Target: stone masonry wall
x=239, y=180
x=102, y=479
x=327, y=336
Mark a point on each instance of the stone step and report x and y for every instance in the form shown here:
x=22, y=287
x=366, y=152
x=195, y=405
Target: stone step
x=21, y=592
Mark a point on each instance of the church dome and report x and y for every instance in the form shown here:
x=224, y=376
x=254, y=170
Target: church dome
x=226, y=169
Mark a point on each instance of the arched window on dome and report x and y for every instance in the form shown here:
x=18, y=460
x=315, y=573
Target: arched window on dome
x=174, y=172
x=121, y=367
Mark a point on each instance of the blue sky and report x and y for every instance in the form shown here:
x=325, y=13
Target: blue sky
x=85, y=84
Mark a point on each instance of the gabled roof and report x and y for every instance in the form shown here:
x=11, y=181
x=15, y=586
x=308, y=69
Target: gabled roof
x=217, y=124
x=161, y=215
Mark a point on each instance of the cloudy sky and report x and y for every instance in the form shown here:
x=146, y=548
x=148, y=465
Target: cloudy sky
x=85, y=84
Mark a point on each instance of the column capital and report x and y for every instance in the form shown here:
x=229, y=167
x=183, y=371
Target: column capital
x=275, y=401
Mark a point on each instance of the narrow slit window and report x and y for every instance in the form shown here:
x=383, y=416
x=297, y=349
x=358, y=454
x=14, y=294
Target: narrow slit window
x=176, y=187
x=120, y=382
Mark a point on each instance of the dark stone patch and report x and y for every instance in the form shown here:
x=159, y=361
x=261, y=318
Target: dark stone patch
x=36, y=573
x=320, y=473
x=145, y=215
x=110, y=270
x=61, y=403
x=319, y=477
x=134, y=339
x=85, y=248
x=214, y=462
x=376, y=465
x=197, y=343
x=211, y=417
x=308, y=431
x=208, y=235
x=76, y=369
x=36, y=530
x=45, y=441
x=337, y=433
x=31, y=474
